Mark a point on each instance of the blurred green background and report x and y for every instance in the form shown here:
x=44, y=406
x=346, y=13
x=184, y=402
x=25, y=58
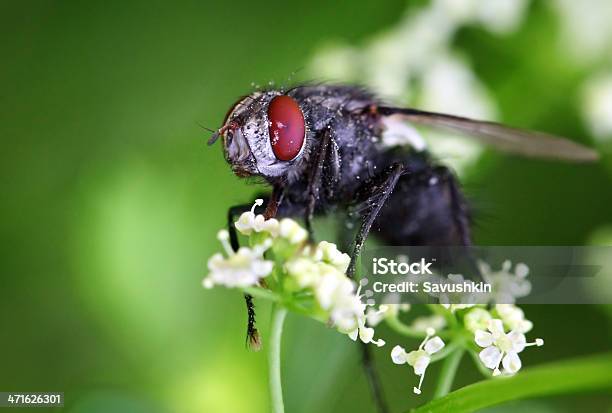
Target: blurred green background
x=111, y=199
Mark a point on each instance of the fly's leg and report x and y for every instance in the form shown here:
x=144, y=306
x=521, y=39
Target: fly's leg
x=315, y=179
x=376, y=198
x=272, y=203
x=253, y=340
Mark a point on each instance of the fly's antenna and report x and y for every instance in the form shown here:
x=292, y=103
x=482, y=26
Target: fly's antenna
x=214, y=137
x=231, y=126
x=206, y=128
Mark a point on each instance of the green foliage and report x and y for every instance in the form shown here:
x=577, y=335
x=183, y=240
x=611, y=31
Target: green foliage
x=564, y=377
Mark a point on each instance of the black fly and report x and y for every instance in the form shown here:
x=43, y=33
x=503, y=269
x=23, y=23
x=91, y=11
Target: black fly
x=324, y=148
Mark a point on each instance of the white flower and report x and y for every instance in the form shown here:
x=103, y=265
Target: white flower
x=419, y=359
x=305, y=271
x=333, y=288
x=513, y=318
x=477, y=319
x=501, y=347
x=240, y=269
x=292, y=231
x=309, y=267
x=597, y=105
x=249, y=222
x=506, y=286
x=374, y=316
x=336, y=294
x=366, y=334
x=329, y=253
x=585, y=32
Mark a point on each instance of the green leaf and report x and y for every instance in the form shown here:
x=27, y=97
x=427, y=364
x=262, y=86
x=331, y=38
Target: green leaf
x=576, y=375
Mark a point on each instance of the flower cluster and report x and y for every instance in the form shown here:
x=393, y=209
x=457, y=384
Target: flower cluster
x=498, y=336
x=489, y=329
x=502, y=347
x=506, y=285
x=419, y=359
x=242, y=268
x=310, y=278
x=322, y=271
x=279, y=263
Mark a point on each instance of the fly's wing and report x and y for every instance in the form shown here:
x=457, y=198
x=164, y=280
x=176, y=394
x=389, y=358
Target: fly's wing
x=511, y=140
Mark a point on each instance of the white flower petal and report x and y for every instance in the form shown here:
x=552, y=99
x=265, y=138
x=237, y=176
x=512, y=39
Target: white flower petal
x=366, y=334
x=490, y=357
x=521, y=270
x=374, y=317
x=511, y=363
x=518, y=341
x=476, y=319
x=325, y=291
x=258, y=223
x=496, y=327
x=434, y=345
x=524, y=326
x=292, y=231
x=398, y=355
x=483, y=338
x=245, y=223
x=353, y=334
x=421, y=364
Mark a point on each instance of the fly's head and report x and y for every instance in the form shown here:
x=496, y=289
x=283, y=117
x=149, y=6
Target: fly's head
x=266, y=134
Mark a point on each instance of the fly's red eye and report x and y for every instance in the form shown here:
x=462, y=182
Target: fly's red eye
x=287, y=127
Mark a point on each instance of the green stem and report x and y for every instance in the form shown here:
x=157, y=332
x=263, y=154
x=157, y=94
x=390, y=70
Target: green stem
x=261, y=293
x=274, y=358
x=398, y=326
x=447, y=375
x=450, y=348
x=401, y=328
